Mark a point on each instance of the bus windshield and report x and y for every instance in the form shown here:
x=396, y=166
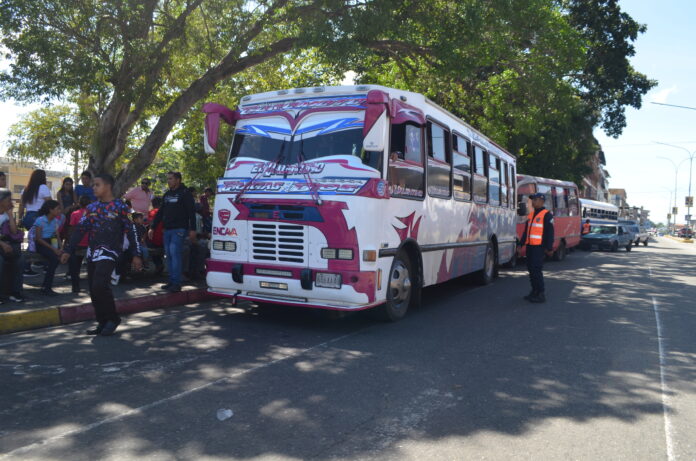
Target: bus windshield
x=288, y=149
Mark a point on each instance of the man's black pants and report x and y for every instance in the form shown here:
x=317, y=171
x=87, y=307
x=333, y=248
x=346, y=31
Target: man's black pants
x=99, y=279
x=535, y=264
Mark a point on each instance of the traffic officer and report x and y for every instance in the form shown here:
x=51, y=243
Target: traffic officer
x=586, y=227
x=538, y=237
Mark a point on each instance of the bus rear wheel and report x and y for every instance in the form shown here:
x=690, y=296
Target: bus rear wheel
x=560, y=253
x=400, y=289
x=486, y=275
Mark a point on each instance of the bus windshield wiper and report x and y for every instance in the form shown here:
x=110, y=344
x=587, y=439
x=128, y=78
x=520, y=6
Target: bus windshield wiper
x=313, y=189
x=277, y=160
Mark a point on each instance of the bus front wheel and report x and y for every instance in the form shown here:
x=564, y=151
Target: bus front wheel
x=400, y=289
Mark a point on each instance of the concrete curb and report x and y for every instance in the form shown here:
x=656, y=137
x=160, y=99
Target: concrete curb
x=29, y=319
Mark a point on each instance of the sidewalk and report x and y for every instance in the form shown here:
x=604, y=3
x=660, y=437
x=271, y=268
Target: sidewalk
x=137, y=294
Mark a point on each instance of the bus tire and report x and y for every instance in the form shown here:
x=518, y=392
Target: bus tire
x=637, y=242
x=513, y=261
x=401, y=289
x=486, y=275
x=560, y=253
x=645, y=243
x=629, y=247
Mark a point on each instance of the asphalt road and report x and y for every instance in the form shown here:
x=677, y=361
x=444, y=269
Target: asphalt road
x=604, y=370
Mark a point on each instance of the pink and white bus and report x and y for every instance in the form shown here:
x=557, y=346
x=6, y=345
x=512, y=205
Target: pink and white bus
x=354, y=197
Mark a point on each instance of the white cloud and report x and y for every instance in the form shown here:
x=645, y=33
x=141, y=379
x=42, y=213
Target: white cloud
x=661, y=96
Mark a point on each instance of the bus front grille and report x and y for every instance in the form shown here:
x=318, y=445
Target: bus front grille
x=276, y=242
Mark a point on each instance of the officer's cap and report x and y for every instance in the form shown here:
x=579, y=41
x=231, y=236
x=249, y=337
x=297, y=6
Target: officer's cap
x=538, y=195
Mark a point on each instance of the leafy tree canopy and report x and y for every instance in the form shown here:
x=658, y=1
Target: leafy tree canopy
x=535, y=75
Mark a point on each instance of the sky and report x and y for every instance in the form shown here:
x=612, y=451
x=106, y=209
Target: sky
x=666, y=53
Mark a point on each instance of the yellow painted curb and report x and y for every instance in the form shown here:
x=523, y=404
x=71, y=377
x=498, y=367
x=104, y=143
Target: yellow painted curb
x=28, y=319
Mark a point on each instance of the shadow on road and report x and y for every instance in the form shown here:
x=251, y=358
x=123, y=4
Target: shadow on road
x=469, y=361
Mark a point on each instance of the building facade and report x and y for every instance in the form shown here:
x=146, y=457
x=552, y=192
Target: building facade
x=18, y=174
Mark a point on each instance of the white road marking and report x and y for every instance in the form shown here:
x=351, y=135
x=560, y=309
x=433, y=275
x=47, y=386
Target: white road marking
x=140, y=410
x=663, y=384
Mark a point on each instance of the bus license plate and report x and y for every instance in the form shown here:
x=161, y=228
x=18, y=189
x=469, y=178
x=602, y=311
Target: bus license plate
x=325, y=280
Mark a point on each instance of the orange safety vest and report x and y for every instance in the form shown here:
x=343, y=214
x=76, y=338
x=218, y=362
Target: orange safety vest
x=535, y=228
x=586, y=228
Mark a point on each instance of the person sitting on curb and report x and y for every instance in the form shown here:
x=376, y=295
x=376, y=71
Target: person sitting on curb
x=11, y=256
x=106, y=223
x=48, y=244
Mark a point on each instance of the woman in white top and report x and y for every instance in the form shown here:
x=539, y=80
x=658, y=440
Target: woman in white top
x=33, y=197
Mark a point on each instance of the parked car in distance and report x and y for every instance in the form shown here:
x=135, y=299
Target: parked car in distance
x=685, y=233
x=607, y=237
x=638, y=233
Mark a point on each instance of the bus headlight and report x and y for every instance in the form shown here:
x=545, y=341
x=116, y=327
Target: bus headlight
x=222, y=245
x=337, y=253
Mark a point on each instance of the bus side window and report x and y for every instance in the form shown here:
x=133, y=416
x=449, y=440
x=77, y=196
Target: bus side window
x=573, y=202
x=513, y=186
x=560, y=202
x=493, y=180
x=406, y=172
x=439, y=163
x=546, y=190
x=461, y=163
x=504, y=183
x=480, y=179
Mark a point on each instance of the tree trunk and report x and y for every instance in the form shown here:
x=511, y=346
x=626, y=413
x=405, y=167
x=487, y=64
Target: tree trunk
x=109, y=141
x=230, y=65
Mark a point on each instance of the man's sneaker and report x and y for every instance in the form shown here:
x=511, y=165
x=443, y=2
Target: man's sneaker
x=30, y=273
x=16, y=299
x=48, y=292
x=96, y=330
x=529, y=296
x=174, y=288
x=109, y=328
x=115, y=278
x=538, y=298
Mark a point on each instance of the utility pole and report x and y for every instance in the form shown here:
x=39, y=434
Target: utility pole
x=689, y=201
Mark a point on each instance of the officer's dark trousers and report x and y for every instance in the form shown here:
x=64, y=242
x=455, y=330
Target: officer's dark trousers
x=535, y=264
x=99, y=279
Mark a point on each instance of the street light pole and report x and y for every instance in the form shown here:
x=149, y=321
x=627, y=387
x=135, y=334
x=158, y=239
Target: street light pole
x=676, y=169
x=691, y=160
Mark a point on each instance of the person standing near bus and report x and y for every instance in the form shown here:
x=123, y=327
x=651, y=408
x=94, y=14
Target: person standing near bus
x=586, y=227
x=538, y=237
x=106, y=222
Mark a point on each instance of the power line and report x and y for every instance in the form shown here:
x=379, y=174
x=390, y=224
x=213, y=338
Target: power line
x=673, y=105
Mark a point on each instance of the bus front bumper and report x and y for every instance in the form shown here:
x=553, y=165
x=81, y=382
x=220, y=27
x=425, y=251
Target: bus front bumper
x=351, y=290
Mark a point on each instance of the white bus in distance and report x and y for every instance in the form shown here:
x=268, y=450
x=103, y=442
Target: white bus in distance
x=355, y=197
x=598, y=212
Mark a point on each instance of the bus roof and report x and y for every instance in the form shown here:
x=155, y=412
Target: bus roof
x=526, y=179
x=596, y=204
x=414, y=99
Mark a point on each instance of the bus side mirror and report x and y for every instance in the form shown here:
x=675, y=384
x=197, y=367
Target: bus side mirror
x=374, y=139
x=211, y=128
x=522, y=209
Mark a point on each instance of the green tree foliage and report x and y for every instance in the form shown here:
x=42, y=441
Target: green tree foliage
x=53, y=133
x=535, y=75
x=149, y=60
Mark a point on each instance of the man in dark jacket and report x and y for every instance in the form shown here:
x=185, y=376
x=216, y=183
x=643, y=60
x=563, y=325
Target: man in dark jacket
x=538, y=236
x=178, y=216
